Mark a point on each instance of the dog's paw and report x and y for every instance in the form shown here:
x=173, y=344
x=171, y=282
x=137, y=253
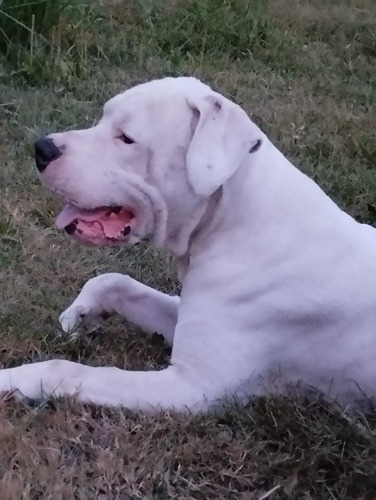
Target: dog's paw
x=81, y=319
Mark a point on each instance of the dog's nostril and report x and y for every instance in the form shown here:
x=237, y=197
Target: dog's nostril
x=45, y=152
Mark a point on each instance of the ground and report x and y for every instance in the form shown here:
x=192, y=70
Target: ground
x=305, y=72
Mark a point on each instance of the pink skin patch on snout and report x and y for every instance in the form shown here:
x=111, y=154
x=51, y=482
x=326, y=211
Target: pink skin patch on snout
x=101, y=226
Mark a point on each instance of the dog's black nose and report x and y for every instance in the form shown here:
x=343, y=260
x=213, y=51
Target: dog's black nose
x=45, y=153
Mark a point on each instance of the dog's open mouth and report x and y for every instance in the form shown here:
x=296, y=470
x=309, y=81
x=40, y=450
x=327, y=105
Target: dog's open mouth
x=101, y=226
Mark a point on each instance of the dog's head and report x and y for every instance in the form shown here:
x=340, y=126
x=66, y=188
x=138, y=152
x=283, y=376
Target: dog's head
x=158, y=153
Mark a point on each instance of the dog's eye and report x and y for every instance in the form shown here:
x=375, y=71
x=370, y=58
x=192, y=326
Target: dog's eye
x=124, y=138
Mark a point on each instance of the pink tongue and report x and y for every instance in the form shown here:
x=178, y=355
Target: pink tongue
x=70, y=213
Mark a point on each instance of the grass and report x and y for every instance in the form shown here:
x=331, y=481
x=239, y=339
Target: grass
x=304, y=70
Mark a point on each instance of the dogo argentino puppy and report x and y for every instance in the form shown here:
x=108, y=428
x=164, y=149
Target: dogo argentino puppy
x=278, y=284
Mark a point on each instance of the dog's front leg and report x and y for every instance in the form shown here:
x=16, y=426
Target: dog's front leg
x=115, y=293
x=172, y=388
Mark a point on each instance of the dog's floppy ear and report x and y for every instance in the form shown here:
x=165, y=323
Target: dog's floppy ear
x=223, y=137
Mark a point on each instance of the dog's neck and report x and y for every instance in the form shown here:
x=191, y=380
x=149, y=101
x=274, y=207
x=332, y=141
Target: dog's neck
x=254, y=187
x=180, y=240
x=201, y=225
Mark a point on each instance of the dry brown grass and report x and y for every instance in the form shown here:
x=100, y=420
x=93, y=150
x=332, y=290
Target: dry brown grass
x=311, y=85
x=62, y=450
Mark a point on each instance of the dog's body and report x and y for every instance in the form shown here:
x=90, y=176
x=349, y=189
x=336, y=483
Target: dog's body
x=279, y=285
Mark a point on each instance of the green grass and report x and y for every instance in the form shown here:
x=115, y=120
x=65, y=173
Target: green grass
x=305, y=72
x=46, y=39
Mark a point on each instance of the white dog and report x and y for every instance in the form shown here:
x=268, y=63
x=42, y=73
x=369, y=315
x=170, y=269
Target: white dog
x=279, y=285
